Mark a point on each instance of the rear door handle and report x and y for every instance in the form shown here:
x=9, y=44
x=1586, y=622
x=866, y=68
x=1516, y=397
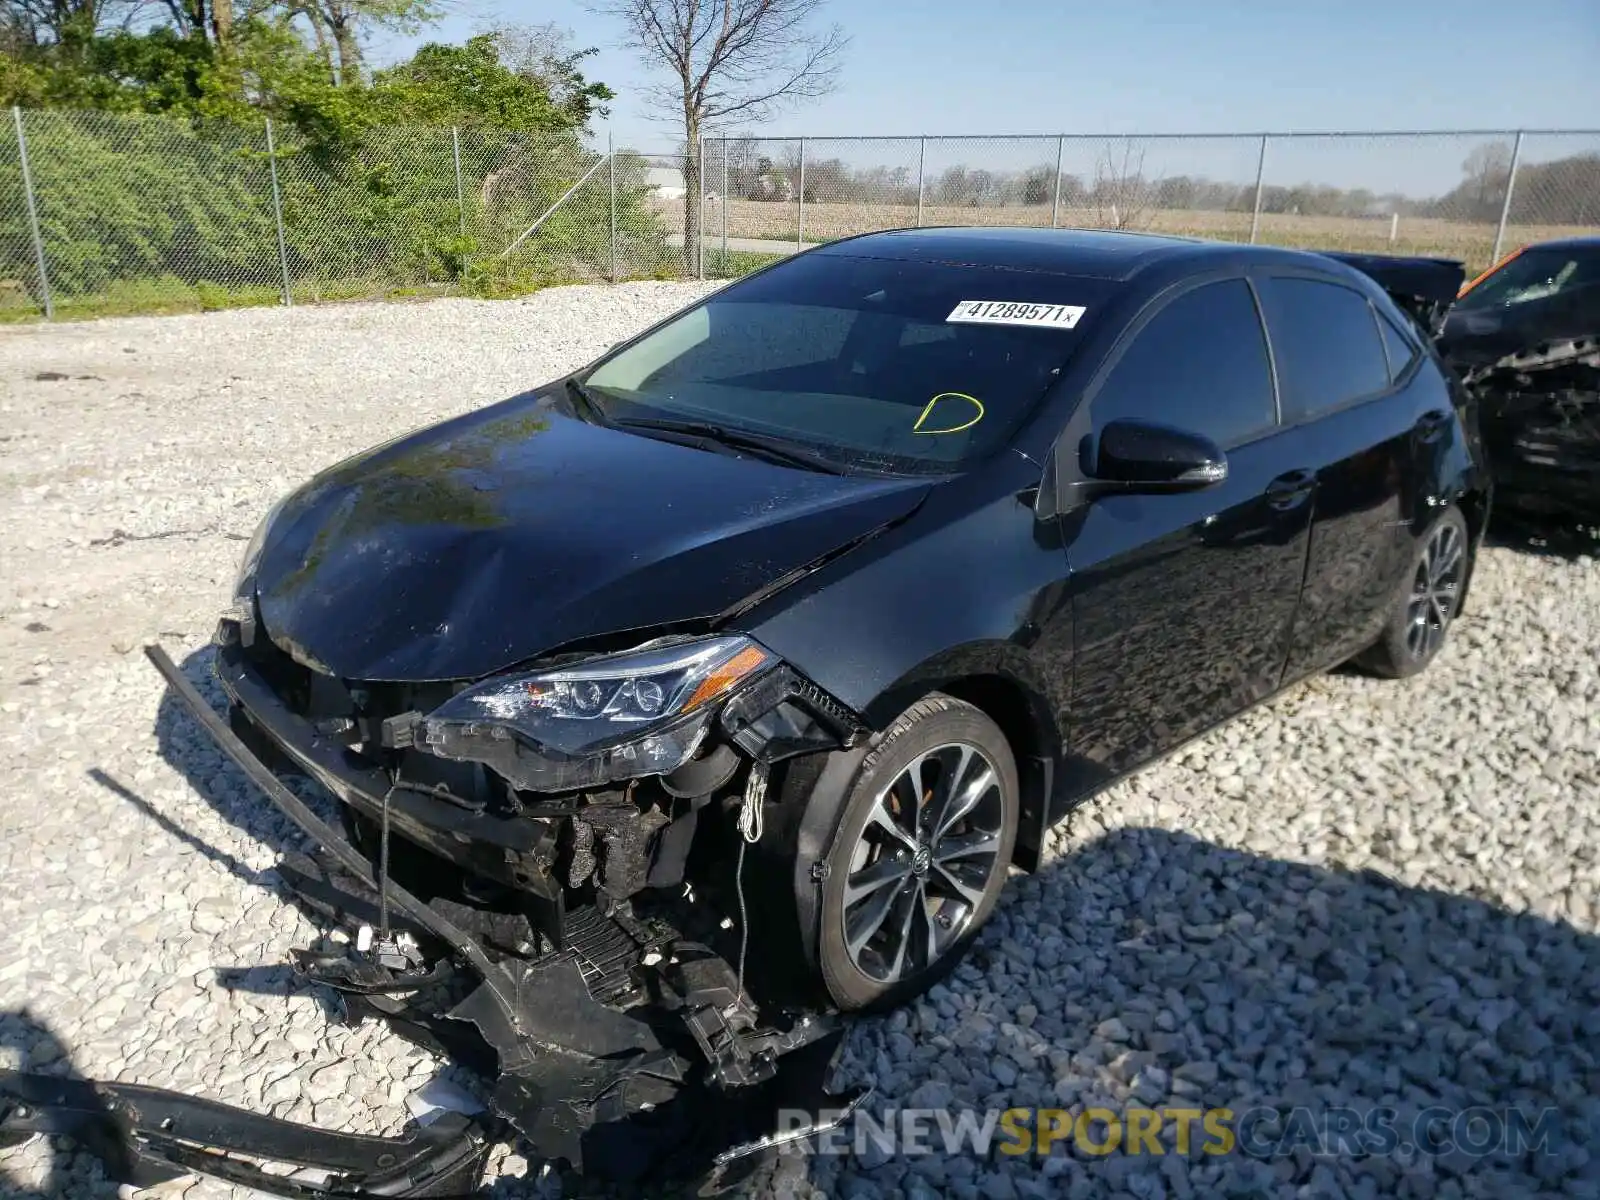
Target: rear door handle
x=1291, y=490
x=1431, y=424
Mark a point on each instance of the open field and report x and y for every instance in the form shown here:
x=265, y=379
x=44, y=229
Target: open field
x=1471, y=243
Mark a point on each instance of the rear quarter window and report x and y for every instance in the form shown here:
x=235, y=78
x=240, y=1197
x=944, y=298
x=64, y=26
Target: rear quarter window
x=1326, y=344
x=1401, y=350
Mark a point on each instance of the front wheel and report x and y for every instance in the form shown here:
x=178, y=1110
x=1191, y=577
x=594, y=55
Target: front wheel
x=1422, y=614
x=921, y=854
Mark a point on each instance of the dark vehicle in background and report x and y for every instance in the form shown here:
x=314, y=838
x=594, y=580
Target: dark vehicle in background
x=712, y=691
x=1525, y=338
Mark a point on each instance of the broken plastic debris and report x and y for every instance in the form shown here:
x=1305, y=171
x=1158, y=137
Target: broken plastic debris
x=439, y=1096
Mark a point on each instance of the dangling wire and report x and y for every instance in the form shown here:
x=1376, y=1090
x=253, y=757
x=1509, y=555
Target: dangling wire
x=751, y=821
x=744, y=917
x=751, y=826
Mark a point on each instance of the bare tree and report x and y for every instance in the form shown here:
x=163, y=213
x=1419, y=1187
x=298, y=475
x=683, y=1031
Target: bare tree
x=727, y=58
x=68, y=23
x=1122, y=195
x=1486, y=172
x=345, y=21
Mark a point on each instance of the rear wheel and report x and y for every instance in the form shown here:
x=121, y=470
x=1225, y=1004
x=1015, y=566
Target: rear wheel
x=921, y=854
x=1423, y=612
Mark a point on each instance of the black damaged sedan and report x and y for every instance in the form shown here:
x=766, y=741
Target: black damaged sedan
x=794, y=622
x=1525, y=339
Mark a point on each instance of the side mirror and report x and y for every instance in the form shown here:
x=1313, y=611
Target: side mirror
x=1141, y=456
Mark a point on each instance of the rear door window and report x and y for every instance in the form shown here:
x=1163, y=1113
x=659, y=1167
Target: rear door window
x=1200, y=364
x=1326, y=344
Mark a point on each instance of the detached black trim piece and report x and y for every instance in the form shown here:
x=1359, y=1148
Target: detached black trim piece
x=147, y=1135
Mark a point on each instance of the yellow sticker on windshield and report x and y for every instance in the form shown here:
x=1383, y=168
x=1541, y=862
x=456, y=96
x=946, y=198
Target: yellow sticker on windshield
x=957, y=411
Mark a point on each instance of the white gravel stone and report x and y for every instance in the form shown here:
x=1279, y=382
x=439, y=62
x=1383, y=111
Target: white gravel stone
x=1362, y=893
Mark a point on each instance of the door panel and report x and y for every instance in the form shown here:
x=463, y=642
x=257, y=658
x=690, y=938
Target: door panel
x=1337, y=378
x=1358, y=534
x=1183, y=607
x=1183, y=604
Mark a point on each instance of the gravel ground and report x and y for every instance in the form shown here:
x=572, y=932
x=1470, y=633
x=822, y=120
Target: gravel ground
x=1361, y=894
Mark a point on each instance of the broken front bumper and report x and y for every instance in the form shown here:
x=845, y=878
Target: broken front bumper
x=511, y=851
x=630, y=1052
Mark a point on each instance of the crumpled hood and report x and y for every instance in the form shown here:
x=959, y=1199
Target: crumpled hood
x=484, y=541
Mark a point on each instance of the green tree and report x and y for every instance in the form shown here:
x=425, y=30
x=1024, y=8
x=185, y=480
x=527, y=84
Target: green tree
x=473, y=85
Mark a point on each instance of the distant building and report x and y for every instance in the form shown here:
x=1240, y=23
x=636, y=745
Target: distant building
x=666, y=182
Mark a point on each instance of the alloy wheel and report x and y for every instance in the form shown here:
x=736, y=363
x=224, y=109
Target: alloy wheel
x=923, y=862
x=1435, y=591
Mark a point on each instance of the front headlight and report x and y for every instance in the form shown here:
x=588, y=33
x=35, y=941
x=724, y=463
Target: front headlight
x=643, y=712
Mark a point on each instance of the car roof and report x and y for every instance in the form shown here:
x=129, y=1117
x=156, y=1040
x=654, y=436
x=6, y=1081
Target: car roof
x=1579, y=241
x=1087, y=253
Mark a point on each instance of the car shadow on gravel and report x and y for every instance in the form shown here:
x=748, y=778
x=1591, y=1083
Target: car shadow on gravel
x=215, y=777
x=217, y=780
x=1543, y=535
x=39, y=1168
x=1153, y=969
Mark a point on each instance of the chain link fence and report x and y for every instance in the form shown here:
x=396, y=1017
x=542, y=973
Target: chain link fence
x=103, y=213
x=1470, y=195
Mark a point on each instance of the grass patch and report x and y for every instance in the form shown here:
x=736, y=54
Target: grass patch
x=735, y=263
x=170, y=296
x=147, y=297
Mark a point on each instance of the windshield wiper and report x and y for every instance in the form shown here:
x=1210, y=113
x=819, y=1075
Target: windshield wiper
x=762, y=447
x=584, y=398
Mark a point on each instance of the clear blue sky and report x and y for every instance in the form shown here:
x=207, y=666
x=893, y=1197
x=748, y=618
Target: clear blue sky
x=1128, y=66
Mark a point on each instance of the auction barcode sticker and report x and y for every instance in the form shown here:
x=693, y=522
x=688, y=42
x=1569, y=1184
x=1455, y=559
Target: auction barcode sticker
x=1012, y=312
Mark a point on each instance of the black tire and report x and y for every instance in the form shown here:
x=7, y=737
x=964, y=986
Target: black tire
x=932, y=733
x=1416, y=630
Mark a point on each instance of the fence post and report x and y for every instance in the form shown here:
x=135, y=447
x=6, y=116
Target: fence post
x=461, y=195
x=800, y=201
x=922, y=174
x=1055, y=205
x=33, y=217
x=277, y=214
x=725, y=194
x=700, y=225
x=1505, y=209
x=611, y=168
x=1261, y=174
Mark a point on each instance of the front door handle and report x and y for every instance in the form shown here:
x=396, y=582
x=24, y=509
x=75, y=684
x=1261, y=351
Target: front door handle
x=1291, y=490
